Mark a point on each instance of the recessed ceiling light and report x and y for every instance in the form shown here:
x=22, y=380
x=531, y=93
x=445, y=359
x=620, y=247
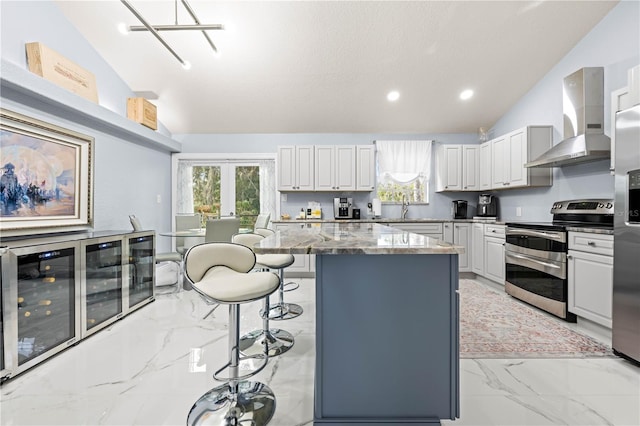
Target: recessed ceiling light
x=466, y=94
x=393, y=96
x=123, y=28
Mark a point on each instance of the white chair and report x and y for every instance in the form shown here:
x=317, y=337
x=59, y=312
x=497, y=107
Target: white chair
x=184, y=223
x=160, y=257
x=274, y=341
x=219, y=273
x=262, y=221
x=221, y=230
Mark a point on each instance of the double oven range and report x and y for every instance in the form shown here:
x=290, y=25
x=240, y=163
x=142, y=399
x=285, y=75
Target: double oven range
x=536, y=253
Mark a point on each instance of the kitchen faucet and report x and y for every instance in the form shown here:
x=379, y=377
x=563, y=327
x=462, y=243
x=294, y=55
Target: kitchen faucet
x=405, y=206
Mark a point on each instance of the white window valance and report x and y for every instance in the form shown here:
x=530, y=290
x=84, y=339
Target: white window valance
x=404, y=162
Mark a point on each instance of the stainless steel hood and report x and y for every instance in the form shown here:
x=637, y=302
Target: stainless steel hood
x=583, y=108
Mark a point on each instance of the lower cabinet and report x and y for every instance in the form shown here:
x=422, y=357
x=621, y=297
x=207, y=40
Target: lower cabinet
x=460, y=234
x=494, y=259
x=304, y=265
x=57, y=290
x=590, y=276
x=477, y=248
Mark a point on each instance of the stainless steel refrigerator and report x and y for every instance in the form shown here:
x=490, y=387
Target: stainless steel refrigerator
x=626, y=245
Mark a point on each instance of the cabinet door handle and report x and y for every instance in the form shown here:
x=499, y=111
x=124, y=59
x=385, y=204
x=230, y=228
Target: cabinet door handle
x=591, y=243
x=569, y=257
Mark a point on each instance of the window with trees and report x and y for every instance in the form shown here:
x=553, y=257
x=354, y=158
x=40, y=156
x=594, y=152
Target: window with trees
x=403, y=171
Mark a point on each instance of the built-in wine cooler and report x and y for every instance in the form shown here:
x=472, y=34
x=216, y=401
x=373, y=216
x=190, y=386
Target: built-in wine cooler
x=141, y=267
x=48, y=301
x=58, y=290
x=102, y=267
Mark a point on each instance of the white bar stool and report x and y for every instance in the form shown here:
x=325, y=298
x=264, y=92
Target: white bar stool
x=219, y=273
x=274, y=341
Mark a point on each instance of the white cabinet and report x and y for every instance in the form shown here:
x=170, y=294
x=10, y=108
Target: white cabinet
x=590, y=276
x=326, y=168
x=494, y=265
x=365, y=168
x=510, y=153
x=295, y=168
x=457, y=168
x=429, y=229
x=459, y=234
x=477, y=248
x=484, y=166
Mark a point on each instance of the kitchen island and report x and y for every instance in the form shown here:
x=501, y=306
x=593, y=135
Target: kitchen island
x=386, y=323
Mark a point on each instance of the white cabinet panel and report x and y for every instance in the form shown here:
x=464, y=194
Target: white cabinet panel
x=477, y=248
x=498, y=165
x=295, y=168
x=590, y=276
x=345, y=167
x=494, y=259
x=324, y=168
x=470, y=167
x=457, y=167
x=459, y=234
x=484, y=166
x=365, y=168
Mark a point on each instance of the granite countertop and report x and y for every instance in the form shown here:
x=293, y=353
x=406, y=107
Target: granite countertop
x=342, y=237
x=384, y=220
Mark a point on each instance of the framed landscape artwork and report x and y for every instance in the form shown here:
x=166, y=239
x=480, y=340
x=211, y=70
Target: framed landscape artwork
x=46, y=177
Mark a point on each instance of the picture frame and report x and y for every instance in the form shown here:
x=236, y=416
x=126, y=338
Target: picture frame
x=46, y=177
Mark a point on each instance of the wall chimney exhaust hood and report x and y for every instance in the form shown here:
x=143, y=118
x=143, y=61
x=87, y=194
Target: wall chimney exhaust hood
x=583, y=110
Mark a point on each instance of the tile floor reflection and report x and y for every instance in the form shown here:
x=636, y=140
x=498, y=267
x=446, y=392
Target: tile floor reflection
x=150, y=367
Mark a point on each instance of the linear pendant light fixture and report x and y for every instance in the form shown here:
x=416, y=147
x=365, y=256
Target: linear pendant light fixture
x=155, y=29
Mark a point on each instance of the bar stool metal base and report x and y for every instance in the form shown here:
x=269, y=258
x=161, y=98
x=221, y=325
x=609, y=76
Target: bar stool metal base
x=283, y=311
x=278, y=342
x=253, y=404
x=291, y=285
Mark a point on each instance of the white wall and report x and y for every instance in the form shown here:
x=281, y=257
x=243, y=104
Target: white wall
x=127, y=177
x=614, y=43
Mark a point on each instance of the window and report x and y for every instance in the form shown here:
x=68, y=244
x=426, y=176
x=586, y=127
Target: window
x=404, y=169
x=230, y=187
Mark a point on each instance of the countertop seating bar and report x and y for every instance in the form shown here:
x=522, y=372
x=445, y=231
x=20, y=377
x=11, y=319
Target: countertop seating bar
x=386, y=303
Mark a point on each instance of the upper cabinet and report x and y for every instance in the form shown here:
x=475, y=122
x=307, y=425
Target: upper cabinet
x=295, y=168
x=365, y=168
x=326, y=168
x=335, y=168
x=510, y=152
x=457, y=168
x=496, y=164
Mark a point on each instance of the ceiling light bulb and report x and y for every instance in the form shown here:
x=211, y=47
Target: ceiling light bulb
x=466, y=94
x=123, y=28
x=393, y=96
x=186, y=65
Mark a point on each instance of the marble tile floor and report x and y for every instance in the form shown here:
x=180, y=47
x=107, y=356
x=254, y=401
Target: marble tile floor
x=150, y=367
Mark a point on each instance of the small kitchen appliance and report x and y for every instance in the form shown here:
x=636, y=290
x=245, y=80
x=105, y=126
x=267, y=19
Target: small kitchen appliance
x=459, y=209
x=343, y=208
x=356, y=213
x=487, y=206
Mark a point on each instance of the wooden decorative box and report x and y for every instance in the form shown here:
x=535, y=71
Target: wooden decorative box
x=142, y=111
x=52, y=66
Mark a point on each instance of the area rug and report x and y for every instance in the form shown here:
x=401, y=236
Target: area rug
x=494, y=325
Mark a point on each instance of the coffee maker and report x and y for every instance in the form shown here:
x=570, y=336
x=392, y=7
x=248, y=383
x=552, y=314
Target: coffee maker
x=343, y=208
x=459, y=209
x=487, y=206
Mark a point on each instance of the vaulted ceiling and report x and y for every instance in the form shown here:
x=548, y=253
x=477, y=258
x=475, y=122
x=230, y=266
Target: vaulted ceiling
x=327, y=66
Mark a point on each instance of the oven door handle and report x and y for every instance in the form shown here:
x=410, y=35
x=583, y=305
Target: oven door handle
x=528, y=262
x=557, y=236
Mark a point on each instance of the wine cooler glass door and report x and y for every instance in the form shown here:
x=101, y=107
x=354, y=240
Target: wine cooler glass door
x=48, y=301
x=141, y=270
x=102, y=290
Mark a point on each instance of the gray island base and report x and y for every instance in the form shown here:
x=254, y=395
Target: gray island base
x=386, y=323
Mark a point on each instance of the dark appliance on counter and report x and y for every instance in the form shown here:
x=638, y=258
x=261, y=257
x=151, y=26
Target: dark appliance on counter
x=536, y=253
x=356, y=213
x=626, y=240
x=343, y=208
x=459, y=209
x=487, y=206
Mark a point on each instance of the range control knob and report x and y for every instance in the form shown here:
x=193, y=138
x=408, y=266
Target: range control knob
x=600, y=206
x=609, y=205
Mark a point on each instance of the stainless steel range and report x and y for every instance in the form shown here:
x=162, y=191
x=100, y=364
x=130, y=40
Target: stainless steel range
x=536, y=253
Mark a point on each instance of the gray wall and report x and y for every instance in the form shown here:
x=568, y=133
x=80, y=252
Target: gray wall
x=614, y=43
x=127, y=177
